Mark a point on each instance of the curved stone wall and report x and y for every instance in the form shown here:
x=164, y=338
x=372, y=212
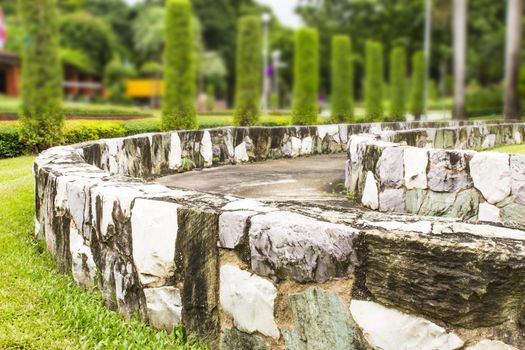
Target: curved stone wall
x=410, y=171
x=242, y=274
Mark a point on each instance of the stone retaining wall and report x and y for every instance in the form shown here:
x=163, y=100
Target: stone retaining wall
x=243, y=274
x=423, y=178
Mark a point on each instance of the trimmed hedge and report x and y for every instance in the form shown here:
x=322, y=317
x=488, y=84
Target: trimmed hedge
x=10, y=144
x=398, y=71
x=342, y=80
x=418, y=85
x=180, y=82
x=248, y=71
x=374, y=81
x=306, y=77
x=41, y=79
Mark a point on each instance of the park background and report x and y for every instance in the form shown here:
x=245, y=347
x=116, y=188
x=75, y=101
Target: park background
x=109, y=44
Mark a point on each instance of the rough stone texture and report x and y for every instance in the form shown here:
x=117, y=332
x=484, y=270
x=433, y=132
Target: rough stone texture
x=285, y=244
x=392, y=200
x=414, y=200
x=517, y=169
x=491, y=175
x=455, y=273
x=416, y=161
x=164, y=307
x=490, y=345
x=249, y=300
x=234, y=339
x=198, y=269
x=489, y=212
x=513, y=213
x=448, y=171
x=321, y=322
x=232, y=227
x=389, y=329
x=464, y=280
x=390, y=167
x=83, y=268
x=370, y=197
x=154, y=233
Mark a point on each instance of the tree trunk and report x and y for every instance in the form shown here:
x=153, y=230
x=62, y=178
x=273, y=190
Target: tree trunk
x=460, y=35
x=512, y=59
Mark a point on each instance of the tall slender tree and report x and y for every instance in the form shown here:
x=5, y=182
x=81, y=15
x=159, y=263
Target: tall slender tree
x=374, y=81
x=342, y=98
x=306, y=76
x=511, y=108
x=180, y=82
x=248, y=71
x=460, y=39
x=398, y=78
x=41, y=113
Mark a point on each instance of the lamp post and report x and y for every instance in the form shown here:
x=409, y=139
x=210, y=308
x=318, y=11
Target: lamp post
x=266, y=17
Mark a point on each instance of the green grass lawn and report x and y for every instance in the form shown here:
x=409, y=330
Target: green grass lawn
x=42, y=309
x=512, y=149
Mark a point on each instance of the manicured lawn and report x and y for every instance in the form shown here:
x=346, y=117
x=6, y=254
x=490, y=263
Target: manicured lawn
x=513, y=149
x=42, y=309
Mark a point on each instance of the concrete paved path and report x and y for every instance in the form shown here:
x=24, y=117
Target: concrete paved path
x=313, y=179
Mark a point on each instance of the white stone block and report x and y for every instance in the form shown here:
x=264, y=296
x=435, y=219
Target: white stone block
x=83, y=266
x=489, y=212
x=370, y=196
x=332, y=130
x=164, y=307
x=306, y=145
x=249, y=300
x=416, y=161
x=389, y=329
x=232, y=225
x=240, y=153
x=154, y=232
x=490, y=172
x=248, y=204
x=175, y=154
x=490, y=345
x=206, y=149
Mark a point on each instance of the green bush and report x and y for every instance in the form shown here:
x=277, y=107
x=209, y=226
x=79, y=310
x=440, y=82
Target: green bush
x=178, y=109
x=306, y=77
x=342, y=97
x=374, y=81
x=115, y=74
x=417, y=102
x=10, y=144
x=482, y=101
x=41, y=111
x=398, y=78
x=248, y=71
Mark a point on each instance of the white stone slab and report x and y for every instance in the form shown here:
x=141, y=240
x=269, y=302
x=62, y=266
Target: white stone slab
x=389, y=329
x=154, y=233
x=249, y=300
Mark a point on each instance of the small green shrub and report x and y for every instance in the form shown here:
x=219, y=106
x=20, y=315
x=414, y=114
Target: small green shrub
x=342, y=80
x=483, y=101
x=417, y=102
x=306, y=77
x=115, y=74
x=248, y=71
x=374, y=81
x=398, y=79
x=41, y=111
x=210, y=97
x=10, y=144
x=178, y=106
